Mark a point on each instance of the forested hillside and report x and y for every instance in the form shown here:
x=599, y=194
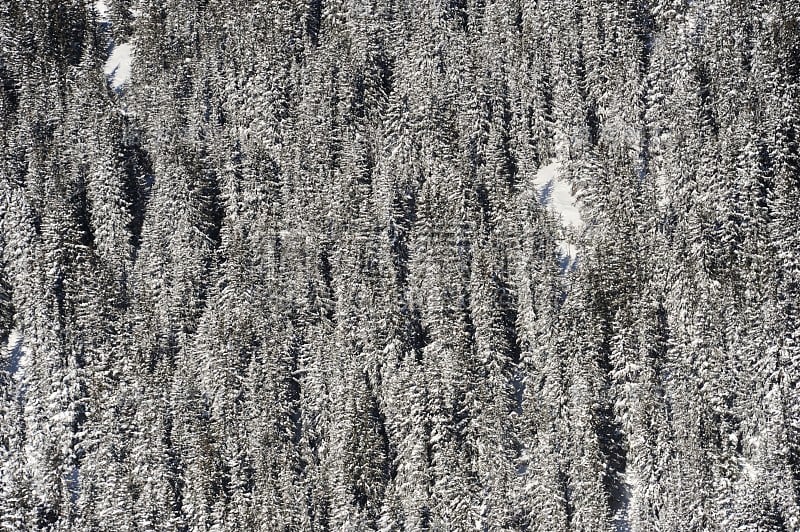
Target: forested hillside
x=400, y=265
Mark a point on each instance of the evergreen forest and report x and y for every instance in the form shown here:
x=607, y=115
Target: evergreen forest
x=400, y=265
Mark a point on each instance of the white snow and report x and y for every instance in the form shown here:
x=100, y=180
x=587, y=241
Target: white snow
x=102, y=11
x=19, y=358
x=569, y=255
x=118, y=66
x=18, y=355
x=557, y=195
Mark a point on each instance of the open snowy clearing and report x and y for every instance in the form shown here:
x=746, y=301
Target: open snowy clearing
x=557, y=195
x=18, y=355
x=101, y=8
x=118, y=66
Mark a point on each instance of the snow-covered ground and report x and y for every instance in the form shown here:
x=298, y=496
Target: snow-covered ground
x=118, y=66
x=557, y=195
x=18, y=355
x=102, y=11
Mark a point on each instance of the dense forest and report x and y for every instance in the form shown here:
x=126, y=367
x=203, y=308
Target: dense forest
x=400, y=265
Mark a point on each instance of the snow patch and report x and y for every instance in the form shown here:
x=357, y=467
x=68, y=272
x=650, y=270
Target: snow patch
x=101, y=8
x=18, y=355
x=118, y=65
x=568, y=254
x=558, y=196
